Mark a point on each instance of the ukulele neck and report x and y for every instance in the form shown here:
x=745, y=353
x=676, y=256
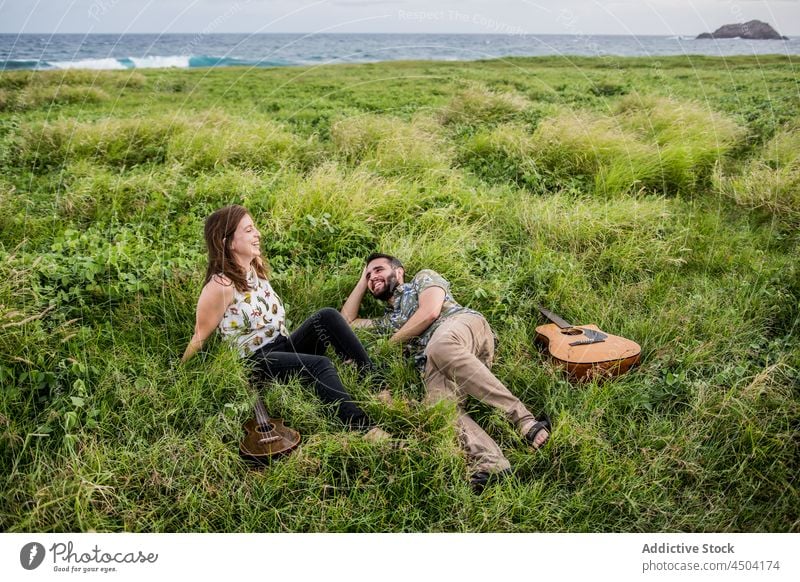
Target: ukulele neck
x=262, y=418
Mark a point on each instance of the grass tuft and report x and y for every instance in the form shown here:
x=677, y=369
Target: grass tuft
x=689, y=138
x=391, y=146
x=48, y=96
x=215, y=141
x=771, y=181
x=477, y=104
x=583, y=147
x=42, y=146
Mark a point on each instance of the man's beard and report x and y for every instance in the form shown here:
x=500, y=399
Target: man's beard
x=388, y=288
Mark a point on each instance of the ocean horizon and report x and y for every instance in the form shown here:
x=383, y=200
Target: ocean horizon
x=33, y=51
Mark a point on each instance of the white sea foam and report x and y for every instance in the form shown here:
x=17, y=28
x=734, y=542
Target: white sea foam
x=181, y=62
x=89, y=64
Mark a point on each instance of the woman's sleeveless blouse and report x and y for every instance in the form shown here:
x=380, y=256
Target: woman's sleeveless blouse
x=254, y=318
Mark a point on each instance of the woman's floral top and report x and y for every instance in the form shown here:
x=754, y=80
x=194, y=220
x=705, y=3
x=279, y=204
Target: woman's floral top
x=254, y=318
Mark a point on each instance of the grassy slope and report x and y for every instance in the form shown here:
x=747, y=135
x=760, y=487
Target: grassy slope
x=656, y=198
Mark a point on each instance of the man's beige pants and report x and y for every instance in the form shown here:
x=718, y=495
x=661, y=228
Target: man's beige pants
x=460, y=356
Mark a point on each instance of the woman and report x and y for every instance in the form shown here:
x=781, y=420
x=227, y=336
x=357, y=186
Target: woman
x=238, y=300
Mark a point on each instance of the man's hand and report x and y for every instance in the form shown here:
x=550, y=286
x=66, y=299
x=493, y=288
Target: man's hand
x=350, y=308
x=431, y=301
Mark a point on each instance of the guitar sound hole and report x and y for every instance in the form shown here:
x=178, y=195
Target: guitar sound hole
x=265, y=427
x=572, y=331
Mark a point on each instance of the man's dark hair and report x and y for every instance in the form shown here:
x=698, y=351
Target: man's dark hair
x=393, y=261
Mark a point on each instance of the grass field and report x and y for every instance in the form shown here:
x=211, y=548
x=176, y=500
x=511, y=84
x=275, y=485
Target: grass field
x=658, y=199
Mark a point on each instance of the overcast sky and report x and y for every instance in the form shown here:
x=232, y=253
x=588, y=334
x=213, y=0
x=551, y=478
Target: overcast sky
x=638, y=17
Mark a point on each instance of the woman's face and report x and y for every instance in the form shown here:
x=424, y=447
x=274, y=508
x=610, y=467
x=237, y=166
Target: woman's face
x=246, y=243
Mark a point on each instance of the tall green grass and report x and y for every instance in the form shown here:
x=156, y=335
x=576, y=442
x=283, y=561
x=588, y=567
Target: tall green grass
x=505, y=153
x=477, y=104
x=41, y=146
x=208, y=142
x=690, y=138
x=661, y=207
x=391, y=146
x=771, y=181
x=35, y=97
x=215, y=140
x=649, y=143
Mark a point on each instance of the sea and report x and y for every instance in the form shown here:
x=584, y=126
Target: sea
x=141, y=51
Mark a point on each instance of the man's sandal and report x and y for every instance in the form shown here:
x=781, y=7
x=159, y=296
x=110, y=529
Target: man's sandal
x=540, y=425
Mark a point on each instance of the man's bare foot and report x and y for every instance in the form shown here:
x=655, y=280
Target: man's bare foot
x=540, y=438
x=539, y=433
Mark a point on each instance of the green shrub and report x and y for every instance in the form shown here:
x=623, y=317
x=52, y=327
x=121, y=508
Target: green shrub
x=15, y=80
x=214, y=142
x=207, y=192
x=86, y=78
x=608, y=88
x=7, y=99
x=30, y=89
x=325, y=216
x=625, y=237
x=83, y=271
x=783, y=150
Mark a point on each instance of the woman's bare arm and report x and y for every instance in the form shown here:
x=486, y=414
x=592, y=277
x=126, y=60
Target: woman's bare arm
x=214, y=300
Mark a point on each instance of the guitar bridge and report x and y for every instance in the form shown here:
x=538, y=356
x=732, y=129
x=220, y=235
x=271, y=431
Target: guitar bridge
x=592, y=337
x=586, y=342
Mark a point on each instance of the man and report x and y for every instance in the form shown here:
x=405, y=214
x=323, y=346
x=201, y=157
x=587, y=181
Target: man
x=453, y=347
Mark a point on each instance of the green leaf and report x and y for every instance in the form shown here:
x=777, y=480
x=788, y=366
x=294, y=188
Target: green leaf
x=70, y=420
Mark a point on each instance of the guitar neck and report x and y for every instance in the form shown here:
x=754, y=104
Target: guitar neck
x=562, y=323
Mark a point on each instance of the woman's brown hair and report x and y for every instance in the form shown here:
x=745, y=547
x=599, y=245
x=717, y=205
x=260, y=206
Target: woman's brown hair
x=219, y=229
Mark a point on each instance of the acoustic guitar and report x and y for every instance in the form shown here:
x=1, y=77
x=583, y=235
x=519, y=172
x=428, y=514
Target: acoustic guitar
x=266, y=437
x=585, y=351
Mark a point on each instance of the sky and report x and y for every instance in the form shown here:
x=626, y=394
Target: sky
x=634, y=17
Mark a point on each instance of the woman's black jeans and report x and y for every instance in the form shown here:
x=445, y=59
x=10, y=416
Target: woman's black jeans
x=303, y=353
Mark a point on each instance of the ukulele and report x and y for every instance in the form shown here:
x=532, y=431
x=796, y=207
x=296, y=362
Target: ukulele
x=266, y=437
x=584, y=350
